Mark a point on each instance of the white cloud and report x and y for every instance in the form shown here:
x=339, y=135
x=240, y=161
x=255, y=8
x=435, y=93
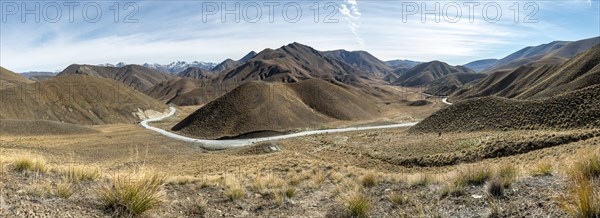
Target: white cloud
x=352, y=14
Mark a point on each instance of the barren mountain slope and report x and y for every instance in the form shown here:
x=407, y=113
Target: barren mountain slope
x=11, y=79
x=577, y=109
x=425, y=73
x=539, y=80
x=136, y=76
x=275, y=107
x=77, y=99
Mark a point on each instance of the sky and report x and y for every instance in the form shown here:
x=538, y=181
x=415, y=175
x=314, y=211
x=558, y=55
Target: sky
x=137, y=32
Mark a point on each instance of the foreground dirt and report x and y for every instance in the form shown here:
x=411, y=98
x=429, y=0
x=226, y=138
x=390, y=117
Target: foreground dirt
x=322, y=169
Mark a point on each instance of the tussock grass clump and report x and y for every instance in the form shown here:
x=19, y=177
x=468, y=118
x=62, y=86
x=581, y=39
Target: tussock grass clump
x=466, y=177
x=2, y=166
x=26, y=163
x=290, y=192
x=473, y=176
x=421, y=179
x=182, y=180
x=452, y=189
x=588, y=166
x=76, y=174
x=264, y=184
x=132, y=195
x=39, y=190
x=583, y=198
x=201, y=207
x=398, y=199
x=356, y=204
x=507, y=174
x=234, y=190
x=64, y=190
x=369, y=180
x=336, y=176
x=495, y=187
x=543, y=168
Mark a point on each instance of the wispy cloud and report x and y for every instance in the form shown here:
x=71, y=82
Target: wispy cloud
x=352, y=14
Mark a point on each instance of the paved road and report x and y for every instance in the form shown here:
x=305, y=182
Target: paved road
x=445, y=101
x=225, y=144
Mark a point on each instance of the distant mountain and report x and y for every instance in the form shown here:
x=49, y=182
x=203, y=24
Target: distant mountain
x=258, y=107
x=38, y=76
x=402, y=63
x=535, y=80
x=449, y=84
x=361, y=60
x=553, y=53
x=425, y=73
x=172, y=68
x=229, y=63
x=293, y=63
x=136, y=76
x=78, y=99
x=481, y=65
x=248, y=56
x=195, y=73
x=31, y=74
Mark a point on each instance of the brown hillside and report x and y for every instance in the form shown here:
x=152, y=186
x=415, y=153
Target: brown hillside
x=76, y=99
x=194, y=73
x=553, y=53
x=136, y=76
x=186, y=91
x=290, y=63
x=361, y=60
x=571, y=110
x=41, y=127
x=449, y=84
x=10, y=79
x=275, y=107
x=425, y=73
x=542, y=81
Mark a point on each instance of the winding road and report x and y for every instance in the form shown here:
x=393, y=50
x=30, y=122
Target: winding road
x=445, y=101
x=225, y=144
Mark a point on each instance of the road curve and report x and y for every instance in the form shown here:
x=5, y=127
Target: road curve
x=445, y=101
x=234, y=143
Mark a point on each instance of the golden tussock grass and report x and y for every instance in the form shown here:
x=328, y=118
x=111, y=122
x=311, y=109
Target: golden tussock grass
x=369, y=180
x=29, y=163
x=356, y=204
x=132, y=195
x=583, y=197
x=77, y=174
x=542, y=168
x=64, y=189
x=234, y=190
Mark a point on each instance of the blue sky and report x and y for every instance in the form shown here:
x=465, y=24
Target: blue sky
x=167, y=31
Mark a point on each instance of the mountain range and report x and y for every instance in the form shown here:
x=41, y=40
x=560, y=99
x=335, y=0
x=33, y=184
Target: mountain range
x=172, y=68
x=539, y=80
x=136, y=76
